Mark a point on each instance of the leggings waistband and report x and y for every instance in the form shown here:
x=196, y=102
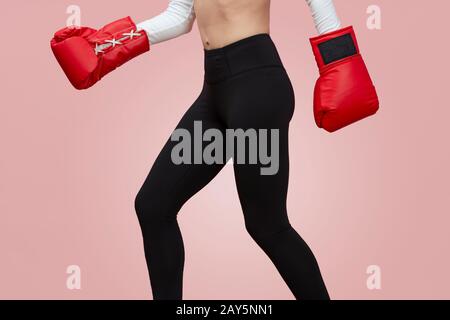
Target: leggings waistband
x=250, y=53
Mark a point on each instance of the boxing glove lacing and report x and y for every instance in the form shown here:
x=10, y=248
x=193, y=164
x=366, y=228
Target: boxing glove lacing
x=100, y=48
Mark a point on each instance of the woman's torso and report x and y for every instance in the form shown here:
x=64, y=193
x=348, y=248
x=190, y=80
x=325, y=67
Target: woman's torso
x=222, y=22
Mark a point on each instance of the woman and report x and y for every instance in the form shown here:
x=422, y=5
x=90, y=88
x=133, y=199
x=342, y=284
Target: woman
x=246, y=88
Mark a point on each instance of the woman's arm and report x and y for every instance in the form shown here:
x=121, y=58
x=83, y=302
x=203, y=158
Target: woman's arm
x=344, y=92
x=175, y=21
x=86, y=55
x=324, y=15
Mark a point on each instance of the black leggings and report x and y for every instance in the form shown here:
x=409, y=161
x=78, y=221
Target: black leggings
x=245, y=87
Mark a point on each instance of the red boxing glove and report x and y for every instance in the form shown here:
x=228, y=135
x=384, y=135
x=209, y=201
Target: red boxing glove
x=344, y=92
x=86, y=55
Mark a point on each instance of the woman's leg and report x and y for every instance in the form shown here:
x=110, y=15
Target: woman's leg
x=266, y=101
x=167, y=187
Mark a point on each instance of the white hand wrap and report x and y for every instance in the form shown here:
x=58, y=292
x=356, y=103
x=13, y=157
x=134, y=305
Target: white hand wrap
x=175, y=21
x=324, y=15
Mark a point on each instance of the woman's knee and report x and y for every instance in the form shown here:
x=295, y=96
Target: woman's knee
x=264, y=224
x=153, y=206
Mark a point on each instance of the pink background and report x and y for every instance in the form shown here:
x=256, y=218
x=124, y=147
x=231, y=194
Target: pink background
x=71, y=162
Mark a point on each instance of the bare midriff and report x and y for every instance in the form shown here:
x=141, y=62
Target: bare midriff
x=222, y=22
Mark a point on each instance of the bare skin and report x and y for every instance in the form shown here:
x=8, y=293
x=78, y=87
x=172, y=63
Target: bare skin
x=222, y=22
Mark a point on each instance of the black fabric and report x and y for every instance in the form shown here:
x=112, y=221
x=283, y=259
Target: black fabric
x=337, y=48
x=245, y=87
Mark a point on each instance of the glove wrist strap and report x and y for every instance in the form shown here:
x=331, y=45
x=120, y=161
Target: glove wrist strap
x=334, y=46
